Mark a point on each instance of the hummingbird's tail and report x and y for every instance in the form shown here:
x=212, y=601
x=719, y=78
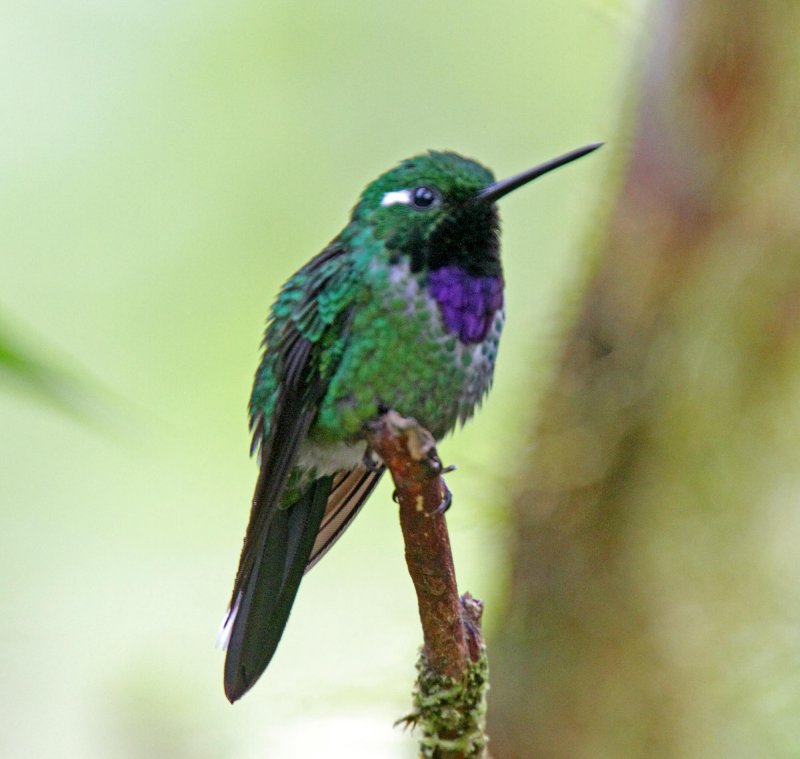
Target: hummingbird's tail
x=349, y=492
x=255, y=623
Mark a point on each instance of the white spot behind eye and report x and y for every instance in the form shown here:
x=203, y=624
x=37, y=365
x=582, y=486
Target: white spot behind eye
x=396, y=196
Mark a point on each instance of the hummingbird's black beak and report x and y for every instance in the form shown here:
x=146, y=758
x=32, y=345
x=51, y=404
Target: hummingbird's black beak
x=504, y=186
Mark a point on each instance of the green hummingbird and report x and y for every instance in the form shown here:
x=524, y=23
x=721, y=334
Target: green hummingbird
x=403, y=310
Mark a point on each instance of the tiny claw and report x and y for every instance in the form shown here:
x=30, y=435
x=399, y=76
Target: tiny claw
x=370, y=460
x=395, y=496
x=444, y=505
x=448, y=469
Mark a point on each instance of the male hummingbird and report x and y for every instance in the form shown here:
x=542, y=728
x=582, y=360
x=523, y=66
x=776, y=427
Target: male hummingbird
x=402, y=310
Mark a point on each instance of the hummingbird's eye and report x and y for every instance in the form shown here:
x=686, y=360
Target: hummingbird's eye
x=425, y=197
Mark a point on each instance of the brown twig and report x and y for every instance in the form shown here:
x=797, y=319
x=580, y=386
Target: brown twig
x=409, y=451
x=452, y=681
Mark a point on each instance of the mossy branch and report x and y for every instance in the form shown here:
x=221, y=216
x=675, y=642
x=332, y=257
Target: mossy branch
x=450, y=693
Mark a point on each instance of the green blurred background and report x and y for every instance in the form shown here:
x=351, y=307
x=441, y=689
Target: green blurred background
x=165, y=167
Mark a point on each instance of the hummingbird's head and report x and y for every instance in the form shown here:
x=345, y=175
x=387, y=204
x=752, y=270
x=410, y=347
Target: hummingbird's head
x=427, y=208
x=439, y=210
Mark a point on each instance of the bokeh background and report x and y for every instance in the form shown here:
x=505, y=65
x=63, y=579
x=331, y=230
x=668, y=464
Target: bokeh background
x=164, y=167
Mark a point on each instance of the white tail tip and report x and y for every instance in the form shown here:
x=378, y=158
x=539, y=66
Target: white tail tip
x=225, y=629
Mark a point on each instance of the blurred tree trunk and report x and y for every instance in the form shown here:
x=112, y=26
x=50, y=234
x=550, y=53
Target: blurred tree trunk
x=654, y=605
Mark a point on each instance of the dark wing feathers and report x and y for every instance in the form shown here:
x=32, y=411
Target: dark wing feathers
x=294, y=413
x=299, y=390
x=278, y=539
x=284, y=539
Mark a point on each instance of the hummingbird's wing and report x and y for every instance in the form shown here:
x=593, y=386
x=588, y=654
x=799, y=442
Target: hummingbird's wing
x=282, y=532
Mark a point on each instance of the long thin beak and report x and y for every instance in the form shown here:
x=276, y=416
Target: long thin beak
x=504, y=186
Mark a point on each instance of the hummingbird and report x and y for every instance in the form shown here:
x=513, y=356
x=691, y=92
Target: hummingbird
x=402, y=311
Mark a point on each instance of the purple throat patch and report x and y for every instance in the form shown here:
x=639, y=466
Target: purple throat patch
x=467, y=304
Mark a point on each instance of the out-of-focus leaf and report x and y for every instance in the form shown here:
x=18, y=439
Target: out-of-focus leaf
x=22, y=372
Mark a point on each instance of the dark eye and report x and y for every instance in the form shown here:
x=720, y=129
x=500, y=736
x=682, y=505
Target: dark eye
x=425, y=197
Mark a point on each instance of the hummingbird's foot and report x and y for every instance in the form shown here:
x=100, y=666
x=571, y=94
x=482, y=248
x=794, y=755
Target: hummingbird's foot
x=447, y=501
x=371, y=460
